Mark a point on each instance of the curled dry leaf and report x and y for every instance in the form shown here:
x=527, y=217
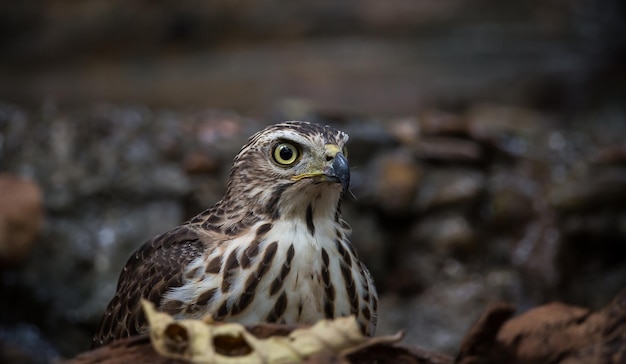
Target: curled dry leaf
x=206, y=342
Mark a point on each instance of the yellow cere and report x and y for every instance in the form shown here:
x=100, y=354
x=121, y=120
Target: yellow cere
x=332, y=149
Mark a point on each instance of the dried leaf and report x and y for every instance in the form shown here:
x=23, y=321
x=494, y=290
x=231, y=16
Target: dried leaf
x=200, y=341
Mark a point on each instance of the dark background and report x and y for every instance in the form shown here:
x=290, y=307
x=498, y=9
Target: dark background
x=487, y=145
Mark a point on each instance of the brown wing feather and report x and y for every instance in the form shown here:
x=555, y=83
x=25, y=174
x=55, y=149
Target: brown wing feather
x=154, y=268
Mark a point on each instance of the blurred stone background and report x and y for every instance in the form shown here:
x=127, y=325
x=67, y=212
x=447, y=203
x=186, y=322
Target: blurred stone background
x=487, y=146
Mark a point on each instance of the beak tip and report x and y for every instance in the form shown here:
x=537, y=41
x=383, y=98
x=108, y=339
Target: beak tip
x=341, y=171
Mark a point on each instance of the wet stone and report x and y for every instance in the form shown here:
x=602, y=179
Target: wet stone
x=593, y=191
x=510, y=199
x=511, y=130
x=437, y=122
x=396, y=177
x=446, y=234
x=446, y=187
x=448, y=149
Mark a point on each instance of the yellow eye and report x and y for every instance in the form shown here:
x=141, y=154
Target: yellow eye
x=285, y=153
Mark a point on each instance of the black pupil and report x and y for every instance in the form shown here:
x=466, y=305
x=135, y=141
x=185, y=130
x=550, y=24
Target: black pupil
x=286, y=153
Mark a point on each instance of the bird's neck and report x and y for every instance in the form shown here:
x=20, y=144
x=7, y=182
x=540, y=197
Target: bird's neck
x=319, y=204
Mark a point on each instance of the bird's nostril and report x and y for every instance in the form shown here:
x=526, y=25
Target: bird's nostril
x=329, y=158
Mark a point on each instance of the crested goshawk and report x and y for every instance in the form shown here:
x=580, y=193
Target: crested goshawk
x=274, y=249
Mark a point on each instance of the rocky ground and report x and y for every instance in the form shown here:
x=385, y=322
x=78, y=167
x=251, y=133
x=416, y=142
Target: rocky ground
x=487, y=147
x=451, y=211
x=552, y=333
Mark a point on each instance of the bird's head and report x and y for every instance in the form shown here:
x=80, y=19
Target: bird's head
x=292, y=160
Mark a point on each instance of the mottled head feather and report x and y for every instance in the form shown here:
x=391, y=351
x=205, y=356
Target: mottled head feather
x=257, y=180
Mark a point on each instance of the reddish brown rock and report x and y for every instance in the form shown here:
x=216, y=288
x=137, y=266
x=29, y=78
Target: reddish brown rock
x=397, y=181
x=21, y=215
x=553, y=333
x=437, y=122
x=200, y=162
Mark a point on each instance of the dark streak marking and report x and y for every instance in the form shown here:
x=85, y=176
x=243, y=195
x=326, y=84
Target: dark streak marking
x=309, y=220
x=214, y=265
x=204, y=298
x=279, y=308
x=250, y=253
x=172, y=307
x=325, y=257
x=229, y=271
x=266, y=262
x=221, y=312
x=202, y=301
x=232, y=262
x=326, y=276
x=192, y=273
x=278, y=281
x=272, y=205
x=251, y=283
x=350, y=288
x=330, y=293
x=255, y=277
x=244, y=301
x=344, y=253
x=263, y=229
x=363, y=328
x=351, y=248
x=329, y=310
x=366, y=313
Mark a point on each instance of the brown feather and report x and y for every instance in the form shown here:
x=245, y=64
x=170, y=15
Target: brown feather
x=165, y=257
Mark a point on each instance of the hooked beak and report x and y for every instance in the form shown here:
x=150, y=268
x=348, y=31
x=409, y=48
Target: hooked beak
x=336, y=169
x=339, y=171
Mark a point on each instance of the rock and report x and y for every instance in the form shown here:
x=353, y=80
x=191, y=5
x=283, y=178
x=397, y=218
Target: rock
x=595, y=190
x=448, y=149
x=405, y=130
x=510, y=199
x=553, y=333
x=610, y=155
x=396, y=177
x=437, y=122
x=113, y=177
x=447, y=187
x=24, y=343
x=509, y=129
x=201, y=162
x=447, y=309
x=21, y=217
x=446, y=234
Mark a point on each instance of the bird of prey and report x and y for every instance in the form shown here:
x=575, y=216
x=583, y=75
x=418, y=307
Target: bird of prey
x=274, y=249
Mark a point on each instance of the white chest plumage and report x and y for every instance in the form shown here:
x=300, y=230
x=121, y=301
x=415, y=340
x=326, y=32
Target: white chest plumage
x=299, y=273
